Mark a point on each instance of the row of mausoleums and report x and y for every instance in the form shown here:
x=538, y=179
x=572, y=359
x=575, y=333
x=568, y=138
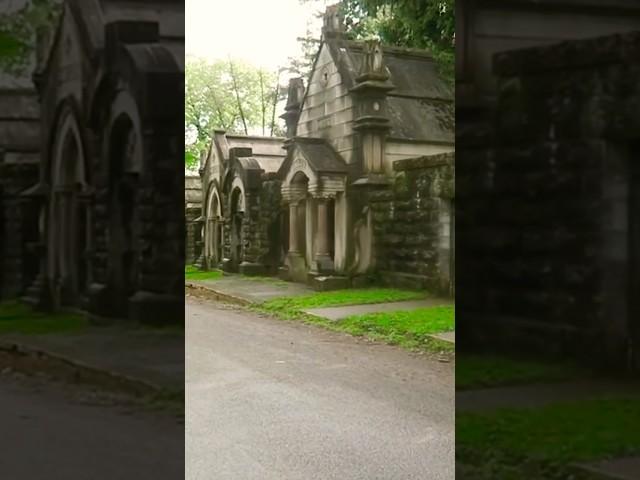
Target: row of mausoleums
x=94, y=216
x=360, y=190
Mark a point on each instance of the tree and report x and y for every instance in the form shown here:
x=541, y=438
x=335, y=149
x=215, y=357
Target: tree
x=230, y=95
x=427, y=24
x=18, y=30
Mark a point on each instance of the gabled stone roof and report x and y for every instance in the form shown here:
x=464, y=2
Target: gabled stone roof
x=320, y=155
x=91, y=16
x=421, y=103
x=267, y=152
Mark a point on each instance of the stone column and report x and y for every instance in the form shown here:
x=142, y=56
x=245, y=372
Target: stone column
x=322, y=233
x=216, y=241
x=323, y=260
x=293, y=228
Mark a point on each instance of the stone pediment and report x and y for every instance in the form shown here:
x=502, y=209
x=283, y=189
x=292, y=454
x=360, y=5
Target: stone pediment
x=313, y=161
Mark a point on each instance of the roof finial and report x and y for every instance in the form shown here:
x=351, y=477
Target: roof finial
x=372, y=66
x=333, y=22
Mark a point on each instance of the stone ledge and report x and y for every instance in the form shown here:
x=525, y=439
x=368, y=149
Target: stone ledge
x=426, y=161
x=571, y=54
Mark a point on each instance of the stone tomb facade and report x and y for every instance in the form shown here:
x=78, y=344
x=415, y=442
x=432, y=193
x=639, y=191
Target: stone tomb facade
x=109, y=225
x=241, y=203
x=548, y=205
x=193, y=219
x=310, y=215
x=19, y=162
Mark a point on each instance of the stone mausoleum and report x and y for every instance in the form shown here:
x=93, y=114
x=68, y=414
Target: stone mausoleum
x=548, y=178
x=361, y=188
x=102, y=219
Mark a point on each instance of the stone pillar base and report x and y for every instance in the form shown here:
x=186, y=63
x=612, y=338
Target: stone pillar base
x=332, y=282
x=101, y=305
x=156, y=308
x=247, y=268
x=297, y=267
x=38, y=294
x=323, y=265
x=227, y=265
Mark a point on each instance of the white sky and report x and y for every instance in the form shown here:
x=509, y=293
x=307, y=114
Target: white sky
x=262, y=32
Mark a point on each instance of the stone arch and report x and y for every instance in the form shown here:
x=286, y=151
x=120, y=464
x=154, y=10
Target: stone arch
x=213, y=227
x=123, y=156
x=68, y=216
x=237, y=206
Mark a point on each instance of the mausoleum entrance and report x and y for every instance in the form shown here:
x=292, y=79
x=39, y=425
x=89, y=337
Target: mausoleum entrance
x=68, y=231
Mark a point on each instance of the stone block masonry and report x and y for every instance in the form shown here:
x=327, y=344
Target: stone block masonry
x=545, y=203
x=413, y=224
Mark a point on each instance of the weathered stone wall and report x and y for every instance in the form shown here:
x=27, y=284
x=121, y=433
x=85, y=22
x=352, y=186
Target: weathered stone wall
x=328, y=108
x=543, y=201
x=19, y=147
x=193, y=210
x=412, y=224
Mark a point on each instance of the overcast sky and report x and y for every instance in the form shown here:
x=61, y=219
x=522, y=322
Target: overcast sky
x=262, y=32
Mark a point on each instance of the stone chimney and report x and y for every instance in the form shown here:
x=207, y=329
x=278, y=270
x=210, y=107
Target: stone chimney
x=239, y=152
x=291, y=115
x=333, y=25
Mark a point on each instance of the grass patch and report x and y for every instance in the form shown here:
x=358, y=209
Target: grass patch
x=192, y=272
x=481, y=371
x=555, y=434
x=291, y=307
x=411, y=328
x=16, y=317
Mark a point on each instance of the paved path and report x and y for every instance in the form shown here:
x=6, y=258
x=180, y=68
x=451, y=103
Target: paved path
x=338, y=313
x=540, y=395
x=274, y=400
x=152, y=356
x=48, y=433
x=248, y=290
x=618, y=469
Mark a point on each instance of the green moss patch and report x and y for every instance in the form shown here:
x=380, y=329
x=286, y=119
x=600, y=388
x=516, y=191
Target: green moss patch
x=19, y=318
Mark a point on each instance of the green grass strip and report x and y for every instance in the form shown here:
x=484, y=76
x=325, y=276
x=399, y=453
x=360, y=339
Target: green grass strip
x=559, y=433
x=16, y=317
x=192, y=272
x=481, y=371
x=335, y=298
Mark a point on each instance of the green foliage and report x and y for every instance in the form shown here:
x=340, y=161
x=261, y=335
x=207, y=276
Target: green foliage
x=230, y=95
x=426, y=24
x=477, y=371
x=19, y=318
x=18, y=29
x=558, y=433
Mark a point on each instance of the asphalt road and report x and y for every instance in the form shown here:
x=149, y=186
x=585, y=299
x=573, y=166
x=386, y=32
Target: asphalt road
x=274, y=400
x=57, y=432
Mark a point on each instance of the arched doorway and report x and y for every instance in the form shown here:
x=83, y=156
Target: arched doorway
x=236, y=235
x=68, y=217
x=213, y=230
